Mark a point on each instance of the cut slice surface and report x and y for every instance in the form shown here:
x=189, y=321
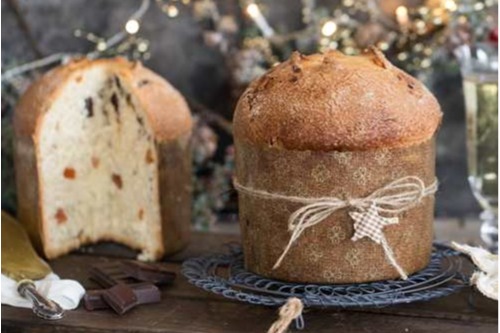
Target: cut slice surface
x=98, y=167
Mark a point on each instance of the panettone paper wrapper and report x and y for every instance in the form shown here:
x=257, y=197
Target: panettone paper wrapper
x=325, y=253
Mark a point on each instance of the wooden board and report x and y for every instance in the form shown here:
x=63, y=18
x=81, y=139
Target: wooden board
x=185, y=308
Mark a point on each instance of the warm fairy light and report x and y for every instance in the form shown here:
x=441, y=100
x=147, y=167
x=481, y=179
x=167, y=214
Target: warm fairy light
x=420, y=25
x=450, y=5
x=402, y=15
x=101, y=46
x=329, y=28
x=143, y=46
x=402, y=56
x=479, y=6
x=172, y=11
x=132, y=26
x=254, y=12
x=384, y=46
x=426, y=63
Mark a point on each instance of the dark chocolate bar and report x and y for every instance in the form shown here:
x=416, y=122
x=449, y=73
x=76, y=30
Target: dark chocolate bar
x=120, y=298
x=121, y=291
x=148, y=272
x=92, y=300
x=110, y=274
x=145, y=293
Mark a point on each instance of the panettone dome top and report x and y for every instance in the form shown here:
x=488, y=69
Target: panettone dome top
x=336, y=102
x=165, y=106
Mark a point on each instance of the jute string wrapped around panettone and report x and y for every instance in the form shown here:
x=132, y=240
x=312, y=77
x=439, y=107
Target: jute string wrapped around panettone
x=393, y=198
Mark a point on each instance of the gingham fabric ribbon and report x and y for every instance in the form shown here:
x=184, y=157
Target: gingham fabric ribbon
x=394, y=198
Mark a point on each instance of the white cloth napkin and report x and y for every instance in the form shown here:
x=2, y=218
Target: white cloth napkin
x=67, y=293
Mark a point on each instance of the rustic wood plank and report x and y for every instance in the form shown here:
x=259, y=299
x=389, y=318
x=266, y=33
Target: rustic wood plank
x=187, y=315
x=185, y=308
x=466, y=305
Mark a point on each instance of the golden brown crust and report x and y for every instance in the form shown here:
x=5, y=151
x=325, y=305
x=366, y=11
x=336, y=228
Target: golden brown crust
x=168, y=112
x=331, y=101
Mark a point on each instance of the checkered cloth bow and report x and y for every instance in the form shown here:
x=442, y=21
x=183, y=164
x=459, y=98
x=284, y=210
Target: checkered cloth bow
x=370, y=224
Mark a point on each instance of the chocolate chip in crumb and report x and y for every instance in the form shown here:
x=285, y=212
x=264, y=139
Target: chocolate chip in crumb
x=411, y=85
x=129, y=100
x=114, y=101
x=142, y=83
x=61, y=216
x=140, y=120
x=118, y=83
x=89, y=105
x=294, y=79
x=149, y=157
x=296, y=69
x=69, y=173
x=117, y=179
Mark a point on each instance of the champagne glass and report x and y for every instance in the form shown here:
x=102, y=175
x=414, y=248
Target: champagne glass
x=479, y=67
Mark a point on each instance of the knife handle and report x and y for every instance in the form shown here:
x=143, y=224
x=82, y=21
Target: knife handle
x=42, y=307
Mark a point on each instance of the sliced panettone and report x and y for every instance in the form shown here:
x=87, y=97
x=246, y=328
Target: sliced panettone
x=96, y=143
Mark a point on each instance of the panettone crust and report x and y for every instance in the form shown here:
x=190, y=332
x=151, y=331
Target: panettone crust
x=156, y=95
x=331, y=101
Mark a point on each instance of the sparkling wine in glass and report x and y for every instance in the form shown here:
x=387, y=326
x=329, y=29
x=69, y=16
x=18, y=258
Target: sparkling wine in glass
x=479, y=66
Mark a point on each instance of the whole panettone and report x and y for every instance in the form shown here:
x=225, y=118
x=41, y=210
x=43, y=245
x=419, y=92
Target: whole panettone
x=102, y=154
x=337, y=127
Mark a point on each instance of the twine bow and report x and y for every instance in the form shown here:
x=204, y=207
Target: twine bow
x=394, y=198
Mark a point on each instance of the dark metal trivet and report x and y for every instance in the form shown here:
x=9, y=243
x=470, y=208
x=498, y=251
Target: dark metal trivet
x=224, y=274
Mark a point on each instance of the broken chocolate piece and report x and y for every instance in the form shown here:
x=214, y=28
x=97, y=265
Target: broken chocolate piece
x=146, y=293
x=148, y=272
x=128, y=272
x=120, y=298
x=108, y=275
x=92, y=300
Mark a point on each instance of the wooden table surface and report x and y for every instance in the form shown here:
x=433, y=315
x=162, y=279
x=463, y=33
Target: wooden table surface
x=185, y=308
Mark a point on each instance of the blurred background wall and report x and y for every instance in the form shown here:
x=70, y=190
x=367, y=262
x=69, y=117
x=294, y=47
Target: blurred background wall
x=32, y=29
